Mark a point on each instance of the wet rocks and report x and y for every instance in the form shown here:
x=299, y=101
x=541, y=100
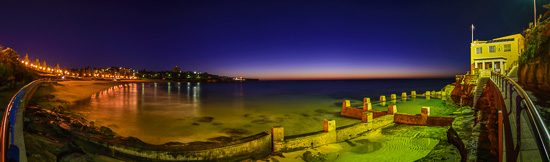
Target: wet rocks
x=205, y=119
x=107, y=131
x=366, y=146
x=264, y=120
x=321, y=111
x=454, y=138
x=75, y=157
x=221, y=139
x=235, y=131
x=308, y=156
x=111, y=125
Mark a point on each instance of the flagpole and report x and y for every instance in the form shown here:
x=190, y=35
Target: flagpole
x=472, y=33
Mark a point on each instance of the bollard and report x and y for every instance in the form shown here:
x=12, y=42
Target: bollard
x=367, y=106
x=366, y=100
x=367, y=117
x=404, y=95
x=329, y=125
x=277, y=136
x=428, y=95
x=413, y=93
x=278, y=133
x=392, y=97
x=382, y=98
x=425, y=111
x=346, y=104
x=392, y=109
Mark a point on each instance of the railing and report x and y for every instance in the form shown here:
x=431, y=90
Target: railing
x=535, y=123
x=8, y=120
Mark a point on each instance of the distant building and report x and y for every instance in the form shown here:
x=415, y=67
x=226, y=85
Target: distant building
x=26, y=58
x=176, y=69
x=499, y=54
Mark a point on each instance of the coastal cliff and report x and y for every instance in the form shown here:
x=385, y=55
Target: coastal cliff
x=534, y=62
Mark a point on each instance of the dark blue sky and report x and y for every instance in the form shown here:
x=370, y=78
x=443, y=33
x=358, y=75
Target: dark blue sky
x=263, y=39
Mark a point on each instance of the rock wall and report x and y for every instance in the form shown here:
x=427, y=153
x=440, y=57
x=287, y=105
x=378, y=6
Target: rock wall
x=534, y=62
x=486, y=124
x=535, y=74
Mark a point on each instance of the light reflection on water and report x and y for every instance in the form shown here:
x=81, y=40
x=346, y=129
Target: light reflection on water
x=163, y=112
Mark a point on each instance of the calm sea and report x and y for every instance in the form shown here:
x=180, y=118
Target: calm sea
x=183, y=112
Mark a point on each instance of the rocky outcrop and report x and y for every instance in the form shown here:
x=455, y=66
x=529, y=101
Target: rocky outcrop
x=486, y=125
x=534, y=62
x=535, y=75
x=463, y=89
x=454, y=139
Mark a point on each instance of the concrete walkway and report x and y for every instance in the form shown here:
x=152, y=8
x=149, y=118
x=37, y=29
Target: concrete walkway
x=18, y=135
x=528, y=149
x=19, y=139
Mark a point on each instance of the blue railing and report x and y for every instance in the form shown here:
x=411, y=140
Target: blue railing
x=535, y=123
x=8, y=150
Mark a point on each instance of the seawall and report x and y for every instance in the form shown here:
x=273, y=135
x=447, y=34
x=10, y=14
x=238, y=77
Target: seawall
x=255, y=146
x=298, y=142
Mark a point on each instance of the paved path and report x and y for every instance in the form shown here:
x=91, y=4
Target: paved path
x=528, y=150
x=19, y=139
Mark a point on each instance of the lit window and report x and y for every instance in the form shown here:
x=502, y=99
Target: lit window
x=507, y=48
x=491, y=49
x=478, y=50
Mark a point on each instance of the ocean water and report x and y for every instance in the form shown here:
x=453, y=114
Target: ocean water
x=184, y=112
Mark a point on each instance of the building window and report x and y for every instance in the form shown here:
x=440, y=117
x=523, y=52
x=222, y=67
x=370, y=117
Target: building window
x=491, y=49
x=507, y=48
x=478, y=50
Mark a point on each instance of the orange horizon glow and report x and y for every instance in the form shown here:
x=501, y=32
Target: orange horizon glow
x=351, y=77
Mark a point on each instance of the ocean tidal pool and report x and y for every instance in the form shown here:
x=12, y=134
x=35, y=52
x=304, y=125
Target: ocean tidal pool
x=158, y=113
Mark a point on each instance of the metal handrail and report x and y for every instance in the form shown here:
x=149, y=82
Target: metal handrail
x=5, y=125
x=537, y=125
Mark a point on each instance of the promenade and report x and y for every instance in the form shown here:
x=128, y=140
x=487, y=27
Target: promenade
x=523, y=142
